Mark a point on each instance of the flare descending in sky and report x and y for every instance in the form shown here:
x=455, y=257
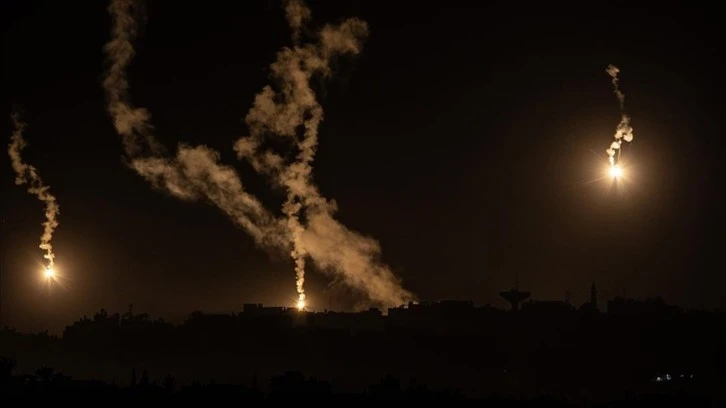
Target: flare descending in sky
x=291, y=112
x=308, y=228
x=27, y=174
x=624, y=132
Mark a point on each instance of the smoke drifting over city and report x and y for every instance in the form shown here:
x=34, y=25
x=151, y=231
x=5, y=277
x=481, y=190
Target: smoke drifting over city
x=27, y=174
x=289, y=110
x=306, y=202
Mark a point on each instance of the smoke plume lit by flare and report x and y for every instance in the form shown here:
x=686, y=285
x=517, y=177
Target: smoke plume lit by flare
x=308, y=228
x=194, y=173
x=27, y=174
x=292, y=112
x=623, y=132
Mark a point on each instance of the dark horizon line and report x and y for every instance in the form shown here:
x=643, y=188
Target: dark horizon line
x=250, y=309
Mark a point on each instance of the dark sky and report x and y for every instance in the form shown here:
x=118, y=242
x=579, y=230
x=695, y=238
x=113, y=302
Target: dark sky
x=462, y=138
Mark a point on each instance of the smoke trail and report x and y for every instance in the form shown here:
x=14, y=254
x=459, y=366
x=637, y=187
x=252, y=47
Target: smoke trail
x=194, y=173
x=27, y=174
x=613, y=71
x=131, y=123
x=293, y=112
x=623, y=131
x=296, y=14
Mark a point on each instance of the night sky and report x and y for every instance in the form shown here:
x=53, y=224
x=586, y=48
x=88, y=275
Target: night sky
x=463, y=139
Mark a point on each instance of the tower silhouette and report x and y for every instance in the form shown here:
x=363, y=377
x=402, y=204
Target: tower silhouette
x=514, y=296
x=593, y=296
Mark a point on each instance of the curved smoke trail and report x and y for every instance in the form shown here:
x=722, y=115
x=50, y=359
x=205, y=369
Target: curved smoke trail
x=308, y=228
x=624, y=132
x=294, y=113
x=27, y=174
x=194, y=173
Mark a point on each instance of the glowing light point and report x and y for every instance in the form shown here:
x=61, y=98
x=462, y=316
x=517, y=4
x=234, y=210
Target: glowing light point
x=49, y=273
x=301, y=304
x=616, y=171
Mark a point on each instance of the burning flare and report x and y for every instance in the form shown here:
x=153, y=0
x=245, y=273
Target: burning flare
x=615, y=171
x=291, y=112
x=27, y=174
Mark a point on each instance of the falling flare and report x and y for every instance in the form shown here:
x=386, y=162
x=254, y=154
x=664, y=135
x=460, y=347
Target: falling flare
x=308, y=228
x=624, y=132
x=298, y=252
x=615, y=171
x=27, y=174
x=291, y=112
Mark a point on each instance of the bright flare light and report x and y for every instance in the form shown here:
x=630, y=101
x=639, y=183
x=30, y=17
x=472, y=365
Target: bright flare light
x=301, y=304
x=49, y=273
x=616, y=171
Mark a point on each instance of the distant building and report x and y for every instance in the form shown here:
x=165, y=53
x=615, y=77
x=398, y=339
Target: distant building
x=547, y=307
x=514, y=296
x=258, y=309
x=368, y=320
x=656, y=307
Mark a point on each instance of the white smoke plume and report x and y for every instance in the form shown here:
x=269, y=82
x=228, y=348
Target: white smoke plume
x=297, y=14
x=293, y=112
x=131, y=123
x=308, y=228
x=194, y=173
x=613, y=71
x=624, y=132
x=27, y=174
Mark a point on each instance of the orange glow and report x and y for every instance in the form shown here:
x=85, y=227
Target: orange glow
x=615, y=171
x=49, y=273
x=301, y=304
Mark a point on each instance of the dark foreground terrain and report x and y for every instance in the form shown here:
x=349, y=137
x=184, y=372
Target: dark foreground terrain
x=546, y=354
x=291, y=387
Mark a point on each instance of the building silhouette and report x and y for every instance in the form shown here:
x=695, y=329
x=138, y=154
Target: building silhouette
x=547, y=346
x=514, y=296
